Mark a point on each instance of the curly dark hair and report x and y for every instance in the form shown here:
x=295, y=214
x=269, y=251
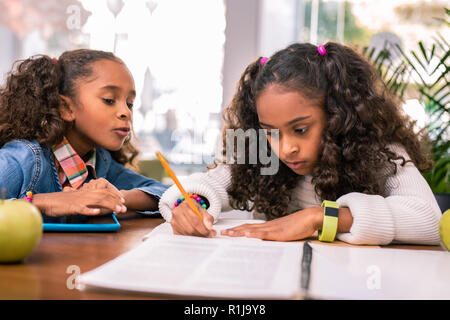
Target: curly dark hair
x=362, y=120
x=30, y=99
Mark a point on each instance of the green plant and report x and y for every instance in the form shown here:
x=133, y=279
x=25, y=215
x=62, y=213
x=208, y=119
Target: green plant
x=425, y=71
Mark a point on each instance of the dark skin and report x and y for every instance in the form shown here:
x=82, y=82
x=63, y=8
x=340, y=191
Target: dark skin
x=300, y=122
x=102, y=116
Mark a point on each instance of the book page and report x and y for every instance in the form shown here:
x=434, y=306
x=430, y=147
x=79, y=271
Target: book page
x=193, y=266
x=221, y=224
x=379, y=273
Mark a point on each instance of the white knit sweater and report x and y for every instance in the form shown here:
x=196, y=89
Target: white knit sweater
x=409, y=213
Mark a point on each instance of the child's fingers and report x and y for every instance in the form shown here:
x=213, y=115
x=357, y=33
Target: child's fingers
x=102, y=183
x=246, y=230
x=203, y=227
x=208, y=221
x=261, y=234
x=88, y=211
x=104, y=199
x=99, y=210
x=106, y=211
x=188, y=223
x=89, y=185
x=191, y=224
x=237, y=233
x=109, y=186
x=181, y=225
x=93, y=211
x=114, y=190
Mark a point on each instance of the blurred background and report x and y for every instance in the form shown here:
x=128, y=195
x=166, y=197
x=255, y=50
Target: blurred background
x=186, y=56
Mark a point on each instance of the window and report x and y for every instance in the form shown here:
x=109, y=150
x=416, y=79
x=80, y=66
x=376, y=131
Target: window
x=359, y=24
x=173, y=48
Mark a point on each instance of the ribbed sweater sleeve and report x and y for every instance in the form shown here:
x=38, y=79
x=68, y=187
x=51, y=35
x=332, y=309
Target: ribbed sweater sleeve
x=212, y=185
x=409, y=213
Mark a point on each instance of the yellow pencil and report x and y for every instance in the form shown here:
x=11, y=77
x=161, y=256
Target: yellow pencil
x=175, y=179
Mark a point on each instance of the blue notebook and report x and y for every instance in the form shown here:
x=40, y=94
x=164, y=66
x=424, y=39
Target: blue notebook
x=80, y=223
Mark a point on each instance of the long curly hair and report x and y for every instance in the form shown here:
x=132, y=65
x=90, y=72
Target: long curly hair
x=30, y=99
x=362, y=120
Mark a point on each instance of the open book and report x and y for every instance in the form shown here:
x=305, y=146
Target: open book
x=215, y=267
x=225, y=267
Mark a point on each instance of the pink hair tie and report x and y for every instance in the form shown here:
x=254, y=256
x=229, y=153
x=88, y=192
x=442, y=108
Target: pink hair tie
x=55, y=60
x=263, y=60
x=321, y=50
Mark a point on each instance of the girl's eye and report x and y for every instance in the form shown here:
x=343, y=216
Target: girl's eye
x=130, y=105
x=301, y=130
x=109, y=101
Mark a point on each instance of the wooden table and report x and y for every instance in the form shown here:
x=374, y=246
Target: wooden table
x=49, y=271
x=45, y=274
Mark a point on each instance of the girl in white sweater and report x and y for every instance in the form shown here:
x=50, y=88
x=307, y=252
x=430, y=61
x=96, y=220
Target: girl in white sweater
x=340, y=137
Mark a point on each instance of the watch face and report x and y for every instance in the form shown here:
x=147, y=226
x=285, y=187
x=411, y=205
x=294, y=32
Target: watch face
x=331, y=212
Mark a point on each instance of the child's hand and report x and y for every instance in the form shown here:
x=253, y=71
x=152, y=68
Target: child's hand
x=298, y=225
x=101, y=183
x=186, y=222
x=82, y=201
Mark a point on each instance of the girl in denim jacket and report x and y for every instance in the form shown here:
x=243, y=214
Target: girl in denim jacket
x=65, y=130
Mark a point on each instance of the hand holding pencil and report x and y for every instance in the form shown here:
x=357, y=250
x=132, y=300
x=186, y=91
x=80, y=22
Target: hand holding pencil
x=188, y=218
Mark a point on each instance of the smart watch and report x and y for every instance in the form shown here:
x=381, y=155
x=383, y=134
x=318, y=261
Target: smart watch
x=330, y=221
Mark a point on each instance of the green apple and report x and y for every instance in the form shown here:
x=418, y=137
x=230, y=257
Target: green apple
x=20, y=229
x=444, y=229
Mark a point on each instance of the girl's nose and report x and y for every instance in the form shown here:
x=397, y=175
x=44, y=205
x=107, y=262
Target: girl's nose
x=124, y=112
x=123, y=116
x=288, y=146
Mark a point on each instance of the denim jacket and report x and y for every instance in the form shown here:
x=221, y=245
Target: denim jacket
x=28, y=166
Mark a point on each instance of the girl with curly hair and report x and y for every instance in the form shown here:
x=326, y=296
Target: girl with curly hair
x=340, y=138
x=65, y=130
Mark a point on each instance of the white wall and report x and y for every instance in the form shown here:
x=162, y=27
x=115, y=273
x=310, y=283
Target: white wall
x=241, y=42
x=10, y=48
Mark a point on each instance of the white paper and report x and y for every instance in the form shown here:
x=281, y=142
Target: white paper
x=193, y=266
x=379, y=273
x=166, y=229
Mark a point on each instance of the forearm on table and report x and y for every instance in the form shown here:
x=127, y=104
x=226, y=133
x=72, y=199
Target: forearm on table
x=138, y=200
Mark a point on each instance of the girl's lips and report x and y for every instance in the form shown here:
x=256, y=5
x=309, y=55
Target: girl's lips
x=122, y=131
x=296, y=164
